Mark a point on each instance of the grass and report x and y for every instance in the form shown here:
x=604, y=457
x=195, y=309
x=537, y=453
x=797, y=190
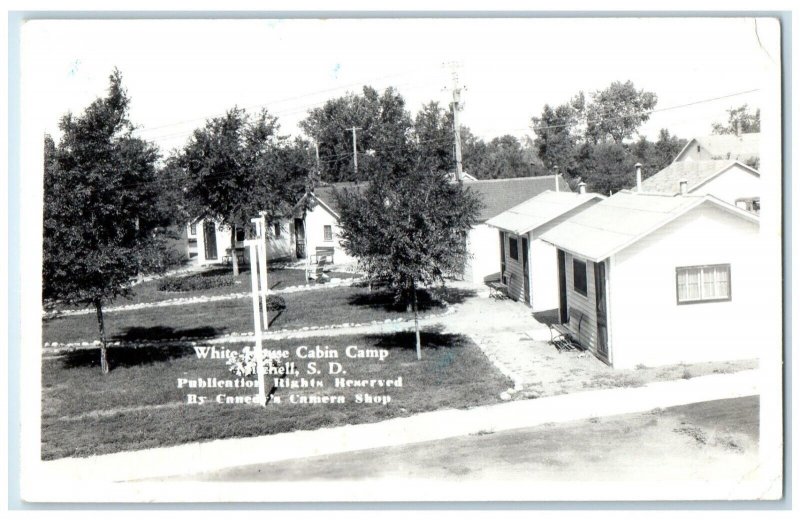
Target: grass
x=277, y=278
x=138, y=404
x=312, y=308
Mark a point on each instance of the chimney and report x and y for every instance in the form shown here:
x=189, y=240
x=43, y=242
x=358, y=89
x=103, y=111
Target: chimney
x=556, y=178
x=684, y=184
x=638, y=167
x=738, y=128
x=581, y=188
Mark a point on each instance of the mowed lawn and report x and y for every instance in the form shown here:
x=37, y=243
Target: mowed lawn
x=311, y=308
x=138, y=404
x=277, y=278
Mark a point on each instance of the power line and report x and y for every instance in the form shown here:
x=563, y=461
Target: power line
x=363, y=82
x=336, y=158
x=283, y=112
x=646, y=112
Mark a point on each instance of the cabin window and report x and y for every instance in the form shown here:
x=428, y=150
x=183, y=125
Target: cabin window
x=193, y=229
x=328, y=232
x=277, y=229
x=698, y=149
x=513, y=249
x=703, y=283
x=579, y=276
x=239, y=234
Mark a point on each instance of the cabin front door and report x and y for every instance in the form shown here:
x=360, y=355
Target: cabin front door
x=601, y=306
x=210, y=240
x=300, y=238
x=526, y=272
x=563, y=315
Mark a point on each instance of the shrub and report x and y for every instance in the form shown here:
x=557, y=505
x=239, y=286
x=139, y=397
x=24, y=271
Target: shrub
x=275, y=303
x=195, y=282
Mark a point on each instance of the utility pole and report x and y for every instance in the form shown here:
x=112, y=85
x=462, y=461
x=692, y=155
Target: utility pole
x=316, y=150
x=355, y=152
x=456, y=126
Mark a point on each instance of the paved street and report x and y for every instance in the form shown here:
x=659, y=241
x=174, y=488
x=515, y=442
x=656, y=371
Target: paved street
x=710, y=441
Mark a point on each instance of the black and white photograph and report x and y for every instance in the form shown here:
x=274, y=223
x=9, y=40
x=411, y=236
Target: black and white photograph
x=401, y=259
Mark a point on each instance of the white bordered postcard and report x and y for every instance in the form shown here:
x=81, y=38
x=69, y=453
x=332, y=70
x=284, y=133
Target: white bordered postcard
x=401, y=259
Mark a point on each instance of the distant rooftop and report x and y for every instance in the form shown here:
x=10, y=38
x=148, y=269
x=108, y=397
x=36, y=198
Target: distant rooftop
x=694, y=172
x=728, y=146
x=539, y=211
x=497, y=195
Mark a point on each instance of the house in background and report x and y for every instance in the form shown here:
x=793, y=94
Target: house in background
x=729, y=180
x=528, y=265
x=742, y=147
x=316, y=231
x=657, y=279
x=210, y=243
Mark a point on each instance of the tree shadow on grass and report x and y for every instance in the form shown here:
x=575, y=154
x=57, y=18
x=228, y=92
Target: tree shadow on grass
x=275, y=317
x=427, y=300
x=126, y=356
x=137, y=333
x=431, y=337
x=220, y=270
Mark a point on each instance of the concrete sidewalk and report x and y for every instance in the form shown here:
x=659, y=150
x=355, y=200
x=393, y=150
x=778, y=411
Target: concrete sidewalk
x=216, y=455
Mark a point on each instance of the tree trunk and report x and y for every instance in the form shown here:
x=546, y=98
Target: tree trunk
x=98, y=306
x=416, y=318
x=234, y=257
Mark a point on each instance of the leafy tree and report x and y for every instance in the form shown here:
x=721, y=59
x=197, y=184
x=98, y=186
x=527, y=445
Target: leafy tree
x=409, y=229
x=555, y=137
x=101, y=208
x=617, y=112
x=505, y=157
x=383, y=126
x=433, y=130
x=238, y=165
x=502, y=157
x=740, y=121
x=607, y=167
x=666, y=148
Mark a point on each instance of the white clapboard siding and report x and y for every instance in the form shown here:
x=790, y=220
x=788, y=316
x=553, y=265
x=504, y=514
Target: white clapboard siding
x=584, y=330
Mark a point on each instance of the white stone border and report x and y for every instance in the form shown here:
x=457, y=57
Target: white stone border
x=504, y=369
x=57, y=348
x=180, y=301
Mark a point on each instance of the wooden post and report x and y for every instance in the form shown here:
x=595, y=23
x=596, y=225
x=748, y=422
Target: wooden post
x=98, y=306
x=416, y=319
x=260, y=372
x=261, y=237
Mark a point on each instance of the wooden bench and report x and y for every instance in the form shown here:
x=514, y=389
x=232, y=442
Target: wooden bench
x=318, y=262
x=560, y=336
x=323, y=253
x=498, y=290
x=228, y=259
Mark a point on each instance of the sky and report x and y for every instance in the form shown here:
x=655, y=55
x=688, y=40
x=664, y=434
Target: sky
x=180, y=72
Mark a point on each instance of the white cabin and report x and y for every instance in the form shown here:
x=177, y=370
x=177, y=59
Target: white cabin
x=528, y=265
x=653, y=279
